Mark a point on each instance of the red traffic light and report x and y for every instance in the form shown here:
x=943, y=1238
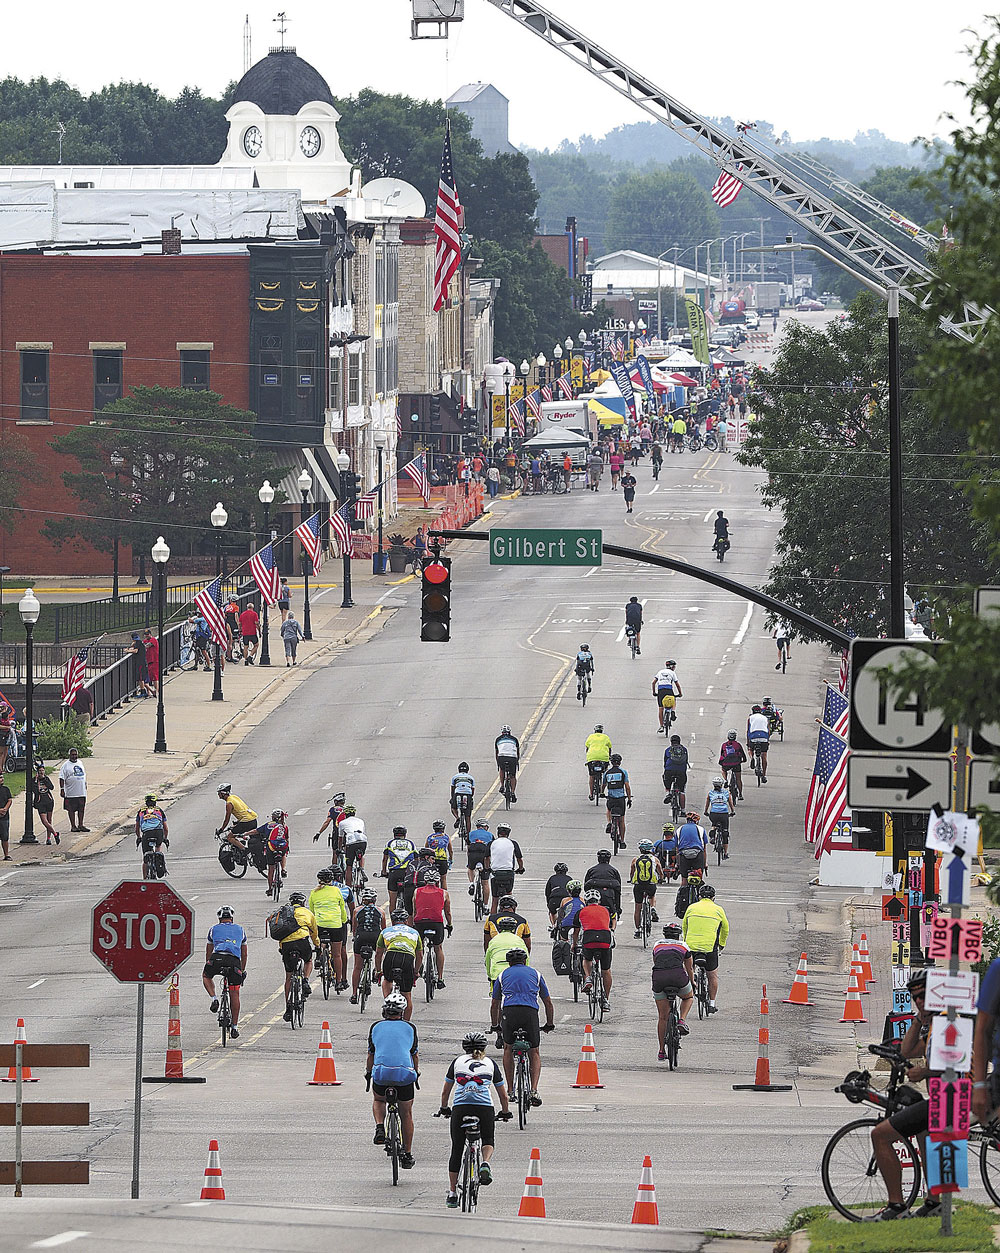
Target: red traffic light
x=435, y=572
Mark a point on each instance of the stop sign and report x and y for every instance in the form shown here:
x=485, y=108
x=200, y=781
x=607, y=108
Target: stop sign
x=142, y=931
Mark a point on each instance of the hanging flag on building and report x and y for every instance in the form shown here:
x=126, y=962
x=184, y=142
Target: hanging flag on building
x=74, y=674
x=565, y=386
x=448, y=221
x=845, y=671
x=417, y=471
x=265, y=573
x=308, y=533
x=827, y=799
x=209, y=603
x=340, y=526
x=727, y=188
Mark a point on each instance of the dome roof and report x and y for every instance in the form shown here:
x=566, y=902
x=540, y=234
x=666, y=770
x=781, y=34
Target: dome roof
x=282, y=83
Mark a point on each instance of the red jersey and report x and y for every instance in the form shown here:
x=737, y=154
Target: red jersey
x=595, y=921
x=428, y=904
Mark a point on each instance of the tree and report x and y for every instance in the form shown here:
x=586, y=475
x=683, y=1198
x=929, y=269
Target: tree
x=659, y=208
x=533, y=310
x=821, y=435
x=17, y=467
x=183, y=451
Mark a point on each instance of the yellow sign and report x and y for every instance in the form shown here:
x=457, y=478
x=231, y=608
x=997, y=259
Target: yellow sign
x=499, y=411
x=899, y=952
x=576, y=371
x=516, y=391
x=378, y=322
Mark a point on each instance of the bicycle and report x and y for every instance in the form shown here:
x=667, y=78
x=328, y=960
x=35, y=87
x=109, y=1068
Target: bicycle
x=595, y=993
x=701, y=984
x=478, y=897
x=279, y=878
x=734, y=785
x=582, y=687
x=233, y=858
x=393, y=1130
x=576, y=975
x=756, y=764
x=464, y=805
x=776, y=725
x=360, y=876
x=430, y=964
x=674, y=801
x=633, y=640
x=721, y=547
x=782, y=656
x=645, y=921
x=597, y=769
x=337, y=859
x=719, y=839
x=617, y=833
x=522, y=1075
x=365, y=982
x=324, y=965
x=297, y=996
x=695, y=442
x=851, y=1178
x=672, y=1034
x=472, y=1160
x=225, y=1009
x=712, y=442
x=152, y=859
x=507, y=784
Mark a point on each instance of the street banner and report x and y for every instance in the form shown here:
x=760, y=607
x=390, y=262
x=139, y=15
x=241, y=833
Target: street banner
x=646, y=374
x=699, y=330
x=620, y=374
x=576, y=371
x=499, y=411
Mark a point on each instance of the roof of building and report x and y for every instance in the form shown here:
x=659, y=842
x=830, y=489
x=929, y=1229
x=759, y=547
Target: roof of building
x=282, y=83
x=470, y=91
x=645, y=280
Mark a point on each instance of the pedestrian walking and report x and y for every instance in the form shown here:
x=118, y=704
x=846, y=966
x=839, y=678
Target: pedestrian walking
x=284, y=598
x=249, y=632
x=82, y=705
x=138, y=651
x=6, y=799
x=43, y=802
x=152, y=646
x=6, y=740
x=615, y=463
x=232, y=616
x=291, y=633
x=595, y=468
x=628, y=488
x=73, y=790
x=493, y=481
x=567, y=467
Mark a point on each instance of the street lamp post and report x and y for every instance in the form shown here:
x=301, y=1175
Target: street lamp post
x=117, y=461
x=265, y=495
x=305, y=486
x=541, y=363
x=381, y=440
x=557, y=367
x=29, y=609
x=344, y=465
x=492, y=386
x=525, y=371
x=509, y=374
x=3, y=570
x=160, y=555
x=219, y=520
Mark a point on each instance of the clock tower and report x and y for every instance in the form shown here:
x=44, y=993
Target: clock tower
x=283, y=124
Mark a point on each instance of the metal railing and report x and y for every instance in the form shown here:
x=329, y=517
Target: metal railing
x=49, y=660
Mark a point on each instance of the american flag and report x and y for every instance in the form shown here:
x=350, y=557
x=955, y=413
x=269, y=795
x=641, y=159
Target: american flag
x=265, y=573
x=209, y=603
x=827, y=799
x=74, y=674
x=517, y=416
x=308, y=533
x=836, y=711
x=845, y=671
x=340, y=525
x=617, y=348
x=565, y=386
x=447, y=225
x=727, y=188
x=534, y=405
x=546, y=393
x=417, y=471
x=364, y=506
x=588, y=363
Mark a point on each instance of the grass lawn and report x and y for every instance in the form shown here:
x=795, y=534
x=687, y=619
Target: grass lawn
x=973, y=1226
x=15, y=782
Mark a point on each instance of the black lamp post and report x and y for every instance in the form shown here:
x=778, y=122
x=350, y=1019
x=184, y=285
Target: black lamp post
x=29, y=609
x=381, y=439
x=509, y=374
x=219, y=520
x=344, y=466
x=161, y=555
x=117, y=461
x=265, y=495
x=305, y=485
x=3, y=570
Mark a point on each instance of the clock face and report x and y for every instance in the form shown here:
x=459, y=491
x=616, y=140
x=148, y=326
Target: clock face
x=310, y=141
x=253, y=141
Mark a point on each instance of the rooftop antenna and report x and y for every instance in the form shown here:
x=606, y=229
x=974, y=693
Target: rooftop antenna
x=247, y=56
x=281, y=21
x=60, y=130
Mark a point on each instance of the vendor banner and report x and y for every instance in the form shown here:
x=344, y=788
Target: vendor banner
x=620, y=374
x=576, y=371
x=698, y=328
x=645, y=373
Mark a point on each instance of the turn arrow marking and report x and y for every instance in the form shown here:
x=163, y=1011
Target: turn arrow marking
x=915, y=782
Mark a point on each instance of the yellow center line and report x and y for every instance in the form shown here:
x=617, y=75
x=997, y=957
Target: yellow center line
x=244, y=1019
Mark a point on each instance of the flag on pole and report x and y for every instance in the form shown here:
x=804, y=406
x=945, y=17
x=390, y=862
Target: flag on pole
x=364, y=506
x=340, y=525
x=546, y=393
x=727, y=188
x=565, y=386
x=836, y=711
x=845, y=671
x=209, y=602
x=308, y=533
x=417, y=471
x=74, y=675
x=447, y=225
x=827, y=799
x=265, y=573
x=534, y=406
x=517, y=416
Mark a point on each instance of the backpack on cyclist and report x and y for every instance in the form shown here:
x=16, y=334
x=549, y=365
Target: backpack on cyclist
x=282, y=923
x=562, y=957
x=687, y=894
x=150, y=821
x=730, y=753
x=678, y=754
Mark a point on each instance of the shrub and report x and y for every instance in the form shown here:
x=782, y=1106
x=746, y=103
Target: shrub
x=56, y=738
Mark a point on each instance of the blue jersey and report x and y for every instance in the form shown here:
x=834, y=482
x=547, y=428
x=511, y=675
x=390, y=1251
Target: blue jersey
x=348, y=895
x=690, y=836
x=399, y=852
x=394, y=1042
x=227, y=937
x=479, y=835
x=718, y=801
x=439, y=843
x=520, y=985
x=474, y=1078
x=614, y=782
x=663, y=848
x=569, y=911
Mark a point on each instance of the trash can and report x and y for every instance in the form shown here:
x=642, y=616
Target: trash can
x=378, y=563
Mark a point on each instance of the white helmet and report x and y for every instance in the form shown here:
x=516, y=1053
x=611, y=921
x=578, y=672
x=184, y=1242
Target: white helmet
x=394, y=1005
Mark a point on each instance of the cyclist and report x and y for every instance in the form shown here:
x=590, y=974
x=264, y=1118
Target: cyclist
x=396, y=858
x=417, y=876
x=394, y=1062
x=606, y=879
x=721, y=527
x=705, y=930
x=692, y=844
x=782, y=634
x=504, y=852
x=151, y=832
x=719, y=809
x=678, y=430
x=568, y=914
x=633, y=621
x=516, y=993
x=555, y=888
x=352, y=840
x=758, y=737
x=369, y=923
x=772, y=713
x=398, y=954
x=226, y=952
x=480, y=839
x=463, y=791
x=473, y=1075
x=675, y=770
x=506, y=908
x=334, y=816
x=239, y=813
x=618, y=796
x=299, y=944
x=598, y=757
x=665, y=849
x=275, y=834
x=688, y=892
x=507, y=750
x=440, y=842
x=595, y=922
x=431, y=913
x=585, y=666
x=666, y=689
x=673, y=975
x=644, y=874
x=731, y=759
x=330, y=910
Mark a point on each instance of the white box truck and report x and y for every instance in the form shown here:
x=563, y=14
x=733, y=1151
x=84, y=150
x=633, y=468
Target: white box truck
x=569, y=415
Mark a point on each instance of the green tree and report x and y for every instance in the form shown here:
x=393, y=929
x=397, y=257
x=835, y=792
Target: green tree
x=821, y=435
x=183, y=451
x=17, y=467
x=659, y=207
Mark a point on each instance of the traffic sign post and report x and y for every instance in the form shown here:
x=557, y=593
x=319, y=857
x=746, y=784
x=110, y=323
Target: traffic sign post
x=141, y=932
x=887, y=721
x=984, y=784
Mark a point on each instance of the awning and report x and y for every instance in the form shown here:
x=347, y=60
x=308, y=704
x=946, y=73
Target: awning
x=319, y=464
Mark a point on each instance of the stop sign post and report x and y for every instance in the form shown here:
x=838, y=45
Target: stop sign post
x=141, y=932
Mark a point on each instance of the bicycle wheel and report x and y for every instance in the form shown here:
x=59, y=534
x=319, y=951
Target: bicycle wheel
x=523, y=1099
x=326, y=970
x=575, y=979
x=645, y=922
x=719, y=844
x=581, y=686
x=360, y=877
x=276, y=886
x=465, y=1181
x=393, y=1141
x=673, y=1037
x=365, y=985
x=429, y=974
x=989, y=1162
x=478, y=900
x=701, y=991
x=225, y=1013
x=593, y=994
x=852, y=1180
x=149, y=866
x=508, y=790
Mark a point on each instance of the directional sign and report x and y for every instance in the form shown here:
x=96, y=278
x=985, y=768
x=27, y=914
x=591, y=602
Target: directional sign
x=518, y=547
x=900, y=976
x=891, y=782
x=950, y=1106
x=893, y=908
x=947, y=1166
x=901, y=931
x=984, y=784
x=941, y=939
x=886, y=720
x=950, y=1044
x=987, y=598
x=899, y=953
x=956, y=878
x=901, y=1002
x=142, y=931
x=952, y=991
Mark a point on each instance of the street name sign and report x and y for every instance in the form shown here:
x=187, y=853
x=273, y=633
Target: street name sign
x=892, y=782
x=511, y=546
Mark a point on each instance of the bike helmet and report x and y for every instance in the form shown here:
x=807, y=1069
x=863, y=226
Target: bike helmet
x=603, y=855
x=592, y=897
x=730, y=735
x=616, y=759
x=718, y=781
x=506, y=902
x=399, y=830
x=297, y=898
x=692, y=815
x=425, y=852
x=394, y=1005
x=338, y=873
x=574, y=887
x=505, y=730
x=399, y=915
x=225, y=789
x=502, y=827
x=707, y=892
x=675, y=739
x=599, y=728
x=517, y=957
x=474, y=1041
x=150, y=797
x=633, y=600
x=325, y=875
x=671, y=664
x=226, y=911
x=368, y=897
x=756, y=709
x=482, y=824
x=438, y=826
x=350, y=811
x=645, y=846
x=917, y=981
x=669, y=828
x=338, y=798
x=463, y=767
x=277, y=815
x=584, y=648
x=672, y=930
x=432, y=880
x=768, y=701
x=560, y=868
x=507, y=924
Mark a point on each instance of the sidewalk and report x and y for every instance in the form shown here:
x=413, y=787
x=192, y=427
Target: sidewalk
x=124, y=766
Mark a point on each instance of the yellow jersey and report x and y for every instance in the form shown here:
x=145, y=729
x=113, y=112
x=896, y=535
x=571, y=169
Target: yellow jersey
x=328, y=906
x=497, y=950
x=598, y=747
x=306, y=928
x=705, y=925
x=241, y=810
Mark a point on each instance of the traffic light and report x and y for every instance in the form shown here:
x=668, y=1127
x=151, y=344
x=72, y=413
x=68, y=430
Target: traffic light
x=470, y=422
x=435, y=600
x=435, y=413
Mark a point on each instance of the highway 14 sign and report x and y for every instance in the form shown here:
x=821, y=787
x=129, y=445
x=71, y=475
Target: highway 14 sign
x=884, y=720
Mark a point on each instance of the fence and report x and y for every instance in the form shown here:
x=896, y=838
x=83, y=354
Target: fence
x=49, y=660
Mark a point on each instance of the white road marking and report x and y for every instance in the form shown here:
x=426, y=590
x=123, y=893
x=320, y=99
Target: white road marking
x=36, y=984
x=592, y=570
x=565, y=1018
x=5, y=877
x=356, y=761
x=719, y=671
x=708, y=516
x=708, y=691
x=388, y=592
x=64, y=1237
x=300, y=812
x=655, y=489
x=738, y=637
x=399, y=704
x=195, y=1204
x=327, y=786
x=380, y=730
x=682, y=632
x=701, y=712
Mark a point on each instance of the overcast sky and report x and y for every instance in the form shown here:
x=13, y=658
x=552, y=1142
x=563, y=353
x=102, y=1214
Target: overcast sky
x=814, y=70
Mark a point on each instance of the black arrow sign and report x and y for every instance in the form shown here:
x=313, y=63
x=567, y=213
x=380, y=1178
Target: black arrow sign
x=915, y=783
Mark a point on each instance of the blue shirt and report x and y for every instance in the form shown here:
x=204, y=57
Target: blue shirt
x=227, y=937
x=394, y=1042
x=663, y=848
x=520, y=985
x=480, y=835
x=473, y=1078
x=718, y=802
x=989, y=1003
x=567, y=918
x=614, y=781
x=690, y=836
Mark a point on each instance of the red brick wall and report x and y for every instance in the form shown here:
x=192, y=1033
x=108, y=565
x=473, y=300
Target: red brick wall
x=556, y=248
x=150, y=303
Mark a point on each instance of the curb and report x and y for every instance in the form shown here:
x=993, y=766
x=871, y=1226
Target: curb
x=799, y=1242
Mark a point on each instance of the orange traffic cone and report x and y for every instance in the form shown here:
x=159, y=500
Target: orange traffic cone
x=586, y=1072
x=858, y=969
x=799, y=995
x=866, y=958
x=644, y=1210
x=212, y=1189
x=853, y=1011
x=20, y=1038
x=532, y=1202
x=762, y=1075
x=325, y=1072
x=174, y=1069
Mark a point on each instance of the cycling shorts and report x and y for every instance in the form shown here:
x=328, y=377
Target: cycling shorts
x=397, y=967
x=665, y=698
x=643, y=890
x=275, y=855
x=484, y=1115
x=521, y=1017
x=365, y=940
x=911, y=1120
x=691, y=859
x=502, y=882
x=353, y=851
x=462, y=802
x=335, y=935
x=290, y=954
x=227, y=962
x=721, y=821
x=478, y=853
x=597, y=768
x=760, y=743
x=668, y=983
x=680, y=775
x=404, y=1091
x=508, y=765
x=396, y=875
x=241, y=828
x=601, y=956
x=616, y=805
x=430, y=932
x=709, y=960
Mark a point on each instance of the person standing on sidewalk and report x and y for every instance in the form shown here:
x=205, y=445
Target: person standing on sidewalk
x=42, y=801
x=615, y=463
x=73, y=790
x=152, y=646
x=493, y=481
x=6, y=799
x=138, y=651
x=291, y=633
x=284, y=599
x=249, y=627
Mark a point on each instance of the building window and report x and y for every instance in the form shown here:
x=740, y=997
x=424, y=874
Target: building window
x=354, y=378
x=194, y=369
x=305, y=385
x=108, y=369
x=336, y=394
x=34, y=385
